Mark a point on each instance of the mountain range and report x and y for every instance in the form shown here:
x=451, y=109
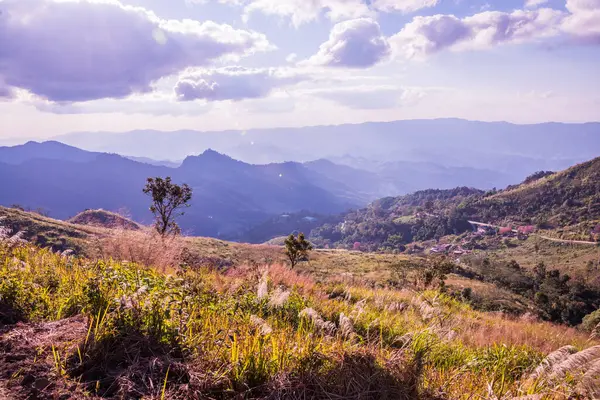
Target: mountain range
x=229, y=195
x=510, y=149
x=237, y=200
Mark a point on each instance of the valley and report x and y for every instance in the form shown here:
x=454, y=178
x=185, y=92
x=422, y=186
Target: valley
x=446, y=293
x=299, y=200
x=131, y=314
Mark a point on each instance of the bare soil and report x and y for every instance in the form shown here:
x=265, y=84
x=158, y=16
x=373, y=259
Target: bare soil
x=31, y=356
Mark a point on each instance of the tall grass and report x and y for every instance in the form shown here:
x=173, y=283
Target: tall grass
x=143, y=246
x=194, y=332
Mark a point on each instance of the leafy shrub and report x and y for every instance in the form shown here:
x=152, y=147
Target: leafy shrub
x=591, y=320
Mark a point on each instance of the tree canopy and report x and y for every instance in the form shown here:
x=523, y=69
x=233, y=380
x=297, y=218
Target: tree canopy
x=168, y=200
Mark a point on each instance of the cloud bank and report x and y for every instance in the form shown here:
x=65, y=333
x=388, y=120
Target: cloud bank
x=303, y=11
x=84, y=50
x=233, y=83
x=428, y=35
x=584, y=21
x=372, y=97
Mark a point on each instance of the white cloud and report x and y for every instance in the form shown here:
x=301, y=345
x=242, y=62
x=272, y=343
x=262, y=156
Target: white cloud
x=69, y=50
x=278, y=103
x=291, y=57
x=404, y=6
x=5, y=91
x=233, y=83
x=356, y=43
x=153, y=105
x=304, y=11
x=584, y=21
x=427, y=35
x=534, y=3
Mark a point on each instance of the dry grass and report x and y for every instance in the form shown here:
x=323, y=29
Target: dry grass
x=144, y=246
x=501, y=328
x=556, y=357
x=576, y=364
x=590, y=383
x=48, y=232
x=265, y=331
x=568, y=258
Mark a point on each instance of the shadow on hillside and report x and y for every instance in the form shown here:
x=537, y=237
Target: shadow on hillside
x=129, y=366
x=358, y=376
x=9, y=315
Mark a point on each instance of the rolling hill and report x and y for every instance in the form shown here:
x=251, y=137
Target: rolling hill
x=345, y=325
x=550, y=201
x=46, y=232
x=557, y=200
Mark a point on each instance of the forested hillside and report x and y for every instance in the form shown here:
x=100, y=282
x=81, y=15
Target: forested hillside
x=547, y=200
x=565, y=198
x=394, y=221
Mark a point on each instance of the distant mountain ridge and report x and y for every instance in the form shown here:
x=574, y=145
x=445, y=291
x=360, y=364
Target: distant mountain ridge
x=229, y=195
x=51, y=150
x=500, y=146
x=236, y=200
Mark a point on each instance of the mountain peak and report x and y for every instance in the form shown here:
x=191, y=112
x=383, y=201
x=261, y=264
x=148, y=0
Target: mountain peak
x=213, y=153
x=47, y=143
x=210, y=157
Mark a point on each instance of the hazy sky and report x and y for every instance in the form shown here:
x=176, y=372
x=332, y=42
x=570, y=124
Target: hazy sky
x=83, y=65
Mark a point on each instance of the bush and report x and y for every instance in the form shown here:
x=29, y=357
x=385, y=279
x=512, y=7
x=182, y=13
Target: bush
x=590, y=321
x=466, y=294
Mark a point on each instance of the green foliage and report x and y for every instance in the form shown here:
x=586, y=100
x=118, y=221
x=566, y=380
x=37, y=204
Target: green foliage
x=391, y=222
x=142, y=323
x=466, y=294
x=297, y=249
x=557, y=297
x=545, y=199
x=591, y=320
x=168, y=199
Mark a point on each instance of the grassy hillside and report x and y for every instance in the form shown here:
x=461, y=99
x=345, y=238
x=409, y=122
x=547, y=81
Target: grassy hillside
x=568, y=200
x=562, y=199
x=488, y=290
x=105, y=329
x=47, y=232
x=392, y=222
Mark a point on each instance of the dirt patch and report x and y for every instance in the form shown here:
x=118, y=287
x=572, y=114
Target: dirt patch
x=32, y=358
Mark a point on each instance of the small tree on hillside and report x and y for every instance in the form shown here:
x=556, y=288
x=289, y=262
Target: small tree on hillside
x=297, y=248
x=437, y=268
x=167, y=201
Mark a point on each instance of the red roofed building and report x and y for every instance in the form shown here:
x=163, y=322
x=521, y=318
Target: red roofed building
x=526, y=230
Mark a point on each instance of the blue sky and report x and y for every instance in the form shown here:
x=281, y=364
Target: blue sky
x=88, y=65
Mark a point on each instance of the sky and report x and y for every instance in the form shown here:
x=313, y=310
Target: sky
x=109, y=65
